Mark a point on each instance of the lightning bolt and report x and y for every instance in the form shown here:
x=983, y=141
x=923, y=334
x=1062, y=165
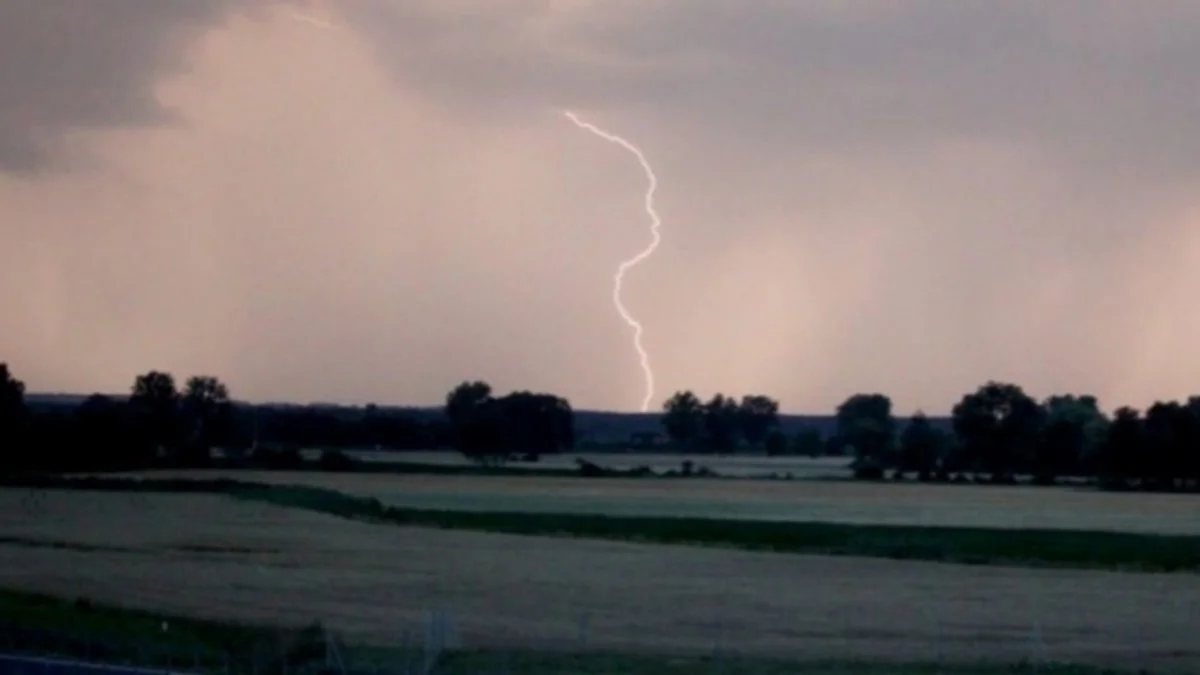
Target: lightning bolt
x=655, y=239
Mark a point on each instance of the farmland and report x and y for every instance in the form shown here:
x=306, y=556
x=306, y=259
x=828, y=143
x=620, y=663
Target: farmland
x=744, y=466
x=213, y=557
x=799, y=501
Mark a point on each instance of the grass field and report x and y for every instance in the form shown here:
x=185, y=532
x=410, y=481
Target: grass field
x=216, y=558
x=819, y=501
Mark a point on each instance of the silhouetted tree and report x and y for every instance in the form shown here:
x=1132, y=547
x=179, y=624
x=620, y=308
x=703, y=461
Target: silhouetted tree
x=1171, y=431
x=683, y=418
x=921, y=447
x=864, y=422
x=465, y=400
x=721, y=428
x=155, y=402
x=12, y=415
x=208, y=415
x=488, y=429
x=1119, y=457
x=536, y=423
x=1073, y=429
x=477, y=422
x=1190, y=462
x=757, y=415
x=998, y=426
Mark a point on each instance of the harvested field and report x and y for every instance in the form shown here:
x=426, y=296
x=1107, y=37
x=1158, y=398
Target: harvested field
x=833, y=502
x=214, y=557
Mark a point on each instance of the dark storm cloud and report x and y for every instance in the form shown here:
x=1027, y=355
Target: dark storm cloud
x=1108, y=83
x=881, y=195
x=86, y=64
x=1104, y=92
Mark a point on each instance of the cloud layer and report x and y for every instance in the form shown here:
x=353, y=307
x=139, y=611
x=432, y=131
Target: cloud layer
x=907, y=196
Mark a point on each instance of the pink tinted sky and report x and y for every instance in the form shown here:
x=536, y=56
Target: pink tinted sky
x=901, y=196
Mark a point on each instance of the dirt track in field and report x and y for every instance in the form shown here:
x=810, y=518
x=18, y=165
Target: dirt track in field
x=213, y=557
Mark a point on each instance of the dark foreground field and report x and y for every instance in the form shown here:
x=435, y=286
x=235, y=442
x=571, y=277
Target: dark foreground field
x=121, y=637
x=117, y=636
x=556, y=605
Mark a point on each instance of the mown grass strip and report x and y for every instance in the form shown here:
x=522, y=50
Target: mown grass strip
x=964, y=545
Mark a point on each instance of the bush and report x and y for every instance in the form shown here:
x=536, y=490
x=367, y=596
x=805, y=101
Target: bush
x=588, y=469
x=336, y=460
x=867, y=468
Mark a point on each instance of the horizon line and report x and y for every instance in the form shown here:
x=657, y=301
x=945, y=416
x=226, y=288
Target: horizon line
x=412, y=406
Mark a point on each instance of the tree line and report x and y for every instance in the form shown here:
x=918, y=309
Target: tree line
x=160, y=423
x=997, y=433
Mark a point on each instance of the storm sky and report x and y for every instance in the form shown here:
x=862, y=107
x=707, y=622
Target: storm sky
x=904, y=196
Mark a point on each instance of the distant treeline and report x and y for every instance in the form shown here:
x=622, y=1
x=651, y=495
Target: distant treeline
x=162, y=424
x=996, y=434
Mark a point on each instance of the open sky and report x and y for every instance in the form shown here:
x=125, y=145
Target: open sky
x=905, y=196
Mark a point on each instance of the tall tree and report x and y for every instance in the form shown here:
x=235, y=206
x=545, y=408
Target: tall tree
x=155, y=401
x=998, y=426
x=466, y=399
x=721, y=429
x=12, y=413
x=865, y=422
x=1073, y=429
x=683, y=418
x=1119, y=460
x=208, y=414
x=757, y=415
x=1171, y=433
x=921, y=447
x=477, y=423
x=536, y=423
x=1190, y=462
